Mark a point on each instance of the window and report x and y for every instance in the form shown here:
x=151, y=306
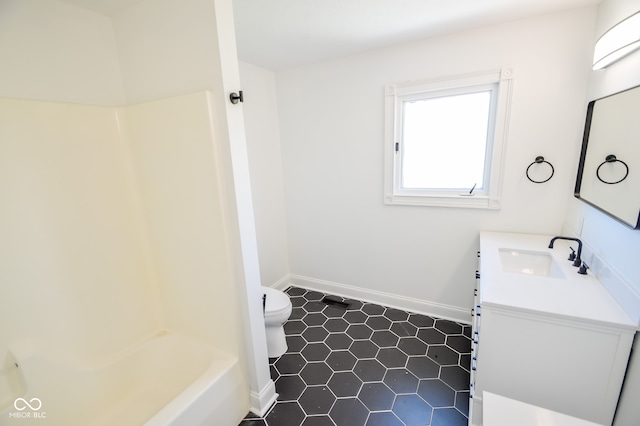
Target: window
x=445, y=139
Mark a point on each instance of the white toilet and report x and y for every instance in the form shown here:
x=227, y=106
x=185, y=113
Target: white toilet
x=277, y=310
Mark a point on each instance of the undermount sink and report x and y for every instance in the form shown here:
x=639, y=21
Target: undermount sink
x=529, y=262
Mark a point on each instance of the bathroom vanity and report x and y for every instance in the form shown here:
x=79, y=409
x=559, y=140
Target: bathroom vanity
x=544, y=334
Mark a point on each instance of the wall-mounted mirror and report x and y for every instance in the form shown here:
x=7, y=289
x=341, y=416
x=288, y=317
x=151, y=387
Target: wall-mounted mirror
x=609, y=169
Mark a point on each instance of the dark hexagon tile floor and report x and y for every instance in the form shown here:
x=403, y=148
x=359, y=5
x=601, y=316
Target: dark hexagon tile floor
x=368, y=365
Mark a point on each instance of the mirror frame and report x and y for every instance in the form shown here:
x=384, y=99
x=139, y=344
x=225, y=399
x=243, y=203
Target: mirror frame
x=581, y=164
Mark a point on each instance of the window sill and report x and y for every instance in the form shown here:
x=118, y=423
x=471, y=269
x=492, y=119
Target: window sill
x=469, y=202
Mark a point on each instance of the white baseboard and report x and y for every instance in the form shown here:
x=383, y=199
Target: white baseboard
x=282, y=283
x=262, y=402
x=409, y=304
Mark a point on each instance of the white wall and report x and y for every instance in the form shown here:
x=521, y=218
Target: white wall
x=263, y=144
x=54, y=51
x=615, y=244
x=332, y=127
x=167, y=48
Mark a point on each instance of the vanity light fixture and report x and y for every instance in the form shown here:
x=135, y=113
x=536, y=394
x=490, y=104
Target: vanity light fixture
x=618, y=42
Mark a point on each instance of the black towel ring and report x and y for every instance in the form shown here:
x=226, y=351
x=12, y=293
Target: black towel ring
x=539, y=160
x=612, y=159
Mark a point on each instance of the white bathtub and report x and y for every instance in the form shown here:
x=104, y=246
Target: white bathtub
x=167, y=379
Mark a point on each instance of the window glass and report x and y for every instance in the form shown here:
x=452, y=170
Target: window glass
x=444, y=141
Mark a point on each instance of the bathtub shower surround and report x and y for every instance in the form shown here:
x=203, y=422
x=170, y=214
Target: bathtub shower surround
x=158, y=381
x=114, y=252
x=368, y=364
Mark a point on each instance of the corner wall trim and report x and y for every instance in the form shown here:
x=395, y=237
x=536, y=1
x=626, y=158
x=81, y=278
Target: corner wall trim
x=262, y=402
x=409, y=304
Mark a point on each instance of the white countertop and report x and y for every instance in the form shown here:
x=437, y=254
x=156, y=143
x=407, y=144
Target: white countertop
x=501, y=411
x=576, y=296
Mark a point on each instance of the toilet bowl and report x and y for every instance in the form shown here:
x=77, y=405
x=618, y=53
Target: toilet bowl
x=277, y=310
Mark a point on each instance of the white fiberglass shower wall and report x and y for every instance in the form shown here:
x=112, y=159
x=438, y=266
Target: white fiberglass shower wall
x=117, y=225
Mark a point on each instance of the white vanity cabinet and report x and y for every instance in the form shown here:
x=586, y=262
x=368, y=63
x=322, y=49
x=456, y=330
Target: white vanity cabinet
x=560, y=343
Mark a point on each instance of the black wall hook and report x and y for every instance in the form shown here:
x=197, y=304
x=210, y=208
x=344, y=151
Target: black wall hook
x=236, y=97
x=612, y=159
x=539, y=160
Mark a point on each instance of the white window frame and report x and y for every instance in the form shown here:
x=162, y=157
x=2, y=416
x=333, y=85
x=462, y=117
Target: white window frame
x=489, y=196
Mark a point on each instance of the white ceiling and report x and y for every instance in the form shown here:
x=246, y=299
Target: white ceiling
x=279, y=34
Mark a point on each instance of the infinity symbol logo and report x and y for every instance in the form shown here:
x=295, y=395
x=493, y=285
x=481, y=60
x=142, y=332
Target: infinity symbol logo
x=37, y=404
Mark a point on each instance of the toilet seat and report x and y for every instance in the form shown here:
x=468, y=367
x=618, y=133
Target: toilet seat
x=277, y=302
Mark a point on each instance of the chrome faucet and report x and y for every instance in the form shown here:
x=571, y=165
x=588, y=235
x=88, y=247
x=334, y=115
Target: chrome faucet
x=578, y=261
